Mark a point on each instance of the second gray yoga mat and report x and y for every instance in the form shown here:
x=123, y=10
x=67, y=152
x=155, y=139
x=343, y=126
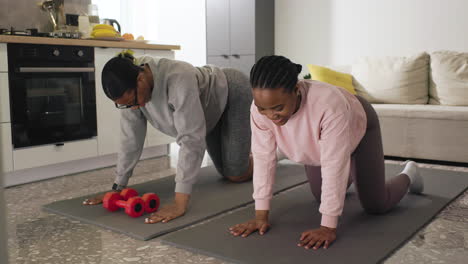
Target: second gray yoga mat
x=211, y=196
x=362, y=238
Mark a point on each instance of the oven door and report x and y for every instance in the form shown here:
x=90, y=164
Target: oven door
x=51, y=105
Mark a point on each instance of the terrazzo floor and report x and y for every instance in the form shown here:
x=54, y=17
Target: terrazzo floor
x=39, y=237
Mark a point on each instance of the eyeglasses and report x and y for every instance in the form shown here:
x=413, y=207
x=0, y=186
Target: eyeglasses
x=126, y=106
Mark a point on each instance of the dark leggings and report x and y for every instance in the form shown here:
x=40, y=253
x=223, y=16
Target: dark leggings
x=228, y=144
x=368, y=171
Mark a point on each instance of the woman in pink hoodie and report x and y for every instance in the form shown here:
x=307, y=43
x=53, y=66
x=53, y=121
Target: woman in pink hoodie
x=334, y=133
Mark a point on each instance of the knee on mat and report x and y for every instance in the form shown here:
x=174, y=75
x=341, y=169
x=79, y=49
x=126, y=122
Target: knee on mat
x=375, y=209
x=242, y=177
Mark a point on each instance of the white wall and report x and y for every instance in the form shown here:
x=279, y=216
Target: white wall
x=339, y=31
x=183, y=22
x=179, y=22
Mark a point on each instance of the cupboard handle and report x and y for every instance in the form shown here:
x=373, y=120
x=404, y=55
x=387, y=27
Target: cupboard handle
x=225, y=56
x=59, y=144
x=237, y=56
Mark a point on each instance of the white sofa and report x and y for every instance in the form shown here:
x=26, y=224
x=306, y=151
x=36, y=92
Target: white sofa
x=421, y=101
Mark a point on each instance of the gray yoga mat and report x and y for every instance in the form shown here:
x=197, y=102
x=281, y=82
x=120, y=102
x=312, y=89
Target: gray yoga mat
x=362, y=238
x=211, y=196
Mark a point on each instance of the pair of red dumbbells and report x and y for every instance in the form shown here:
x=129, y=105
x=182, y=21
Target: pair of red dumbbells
x=128, y=199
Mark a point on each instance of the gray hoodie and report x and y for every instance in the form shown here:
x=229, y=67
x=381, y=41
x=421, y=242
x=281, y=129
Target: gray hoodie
x=186, y=103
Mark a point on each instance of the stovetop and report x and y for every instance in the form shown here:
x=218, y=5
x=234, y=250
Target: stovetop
x=33, y=32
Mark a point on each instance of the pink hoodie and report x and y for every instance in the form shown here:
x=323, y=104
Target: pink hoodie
x=324, y=132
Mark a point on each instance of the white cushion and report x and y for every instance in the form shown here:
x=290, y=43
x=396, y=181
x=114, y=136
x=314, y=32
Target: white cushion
x=393, y=80
x=449, y=78
x=435, y=112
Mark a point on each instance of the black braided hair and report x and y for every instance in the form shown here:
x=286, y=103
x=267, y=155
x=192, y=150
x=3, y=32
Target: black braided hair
x=119, y=75
x=273, y=72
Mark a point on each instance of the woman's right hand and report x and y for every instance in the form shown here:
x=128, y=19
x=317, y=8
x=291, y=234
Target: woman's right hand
x=260, y=224
x=94, y=200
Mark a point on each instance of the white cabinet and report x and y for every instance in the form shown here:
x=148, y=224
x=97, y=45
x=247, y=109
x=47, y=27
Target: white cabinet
x=6, y=154
x=50, y=154
x=239, y=32
x=3, y=58
x=220, y=61
x=4, y=98
x=242, y=27
x=169, y=54
x=217, y=28
x=243, y=63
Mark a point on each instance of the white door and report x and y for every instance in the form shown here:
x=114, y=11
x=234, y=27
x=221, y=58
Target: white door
x=217, y=27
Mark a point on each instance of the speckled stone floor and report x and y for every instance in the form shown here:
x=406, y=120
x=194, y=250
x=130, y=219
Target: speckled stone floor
x=39, y=237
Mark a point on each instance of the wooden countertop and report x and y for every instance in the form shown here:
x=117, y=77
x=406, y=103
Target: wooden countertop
x=85, y=42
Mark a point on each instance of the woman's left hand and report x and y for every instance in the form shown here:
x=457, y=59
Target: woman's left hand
x=315, y=238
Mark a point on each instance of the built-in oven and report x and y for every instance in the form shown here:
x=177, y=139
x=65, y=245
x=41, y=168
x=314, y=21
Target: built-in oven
x=52, y=94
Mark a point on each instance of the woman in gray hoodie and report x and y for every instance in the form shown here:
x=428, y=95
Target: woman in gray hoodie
x=204, y=108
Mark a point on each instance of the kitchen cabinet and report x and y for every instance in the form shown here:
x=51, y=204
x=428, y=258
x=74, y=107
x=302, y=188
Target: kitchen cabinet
x=4, y=98
x=6, y=157
x=3, y=58
x=31, y=157
x=45, y=161
x=239, y=32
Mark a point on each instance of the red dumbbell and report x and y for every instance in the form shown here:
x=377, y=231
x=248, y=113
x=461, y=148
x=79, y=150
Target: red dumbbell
x=151, y=201
x=112, y=202
x=134, y=206
x=128, y=193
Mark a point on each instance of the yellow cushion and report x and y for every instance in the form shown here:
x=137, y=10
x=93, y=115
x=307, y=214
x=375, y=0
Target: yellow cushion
x=332, y=77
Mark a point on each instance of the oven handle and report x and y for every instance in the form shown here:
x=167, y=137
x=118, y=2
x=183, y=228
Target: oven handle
x=56, y=69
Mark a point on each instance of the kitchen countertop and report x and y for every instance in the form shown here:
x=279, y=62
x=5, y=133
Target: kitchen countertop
x=126, y=44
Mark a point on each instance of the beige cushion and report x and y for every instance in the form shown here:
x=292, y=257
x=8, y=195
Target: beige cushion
x=449, y=78
x=435, y=112
x=393, y=80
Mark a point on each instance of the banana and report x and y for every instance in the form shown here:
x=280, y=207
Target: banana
x=104, y=33
x=103, y=26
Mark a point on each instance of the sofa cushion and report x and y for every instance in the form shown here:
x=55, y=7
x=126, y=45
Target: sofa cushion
x=436, y=112
x=332, y=77
x=449, y=78
x=393, y=80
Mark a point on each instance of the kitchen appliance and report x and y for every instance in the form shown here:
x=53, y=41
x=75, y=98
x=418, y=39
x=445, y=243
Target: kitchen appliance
x=33, y=32
x=52, y=94
x=112, y=22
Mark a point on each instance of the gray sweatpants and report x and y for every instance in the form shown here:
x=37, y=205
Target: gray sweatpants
x=228, y=144
x=368, y=171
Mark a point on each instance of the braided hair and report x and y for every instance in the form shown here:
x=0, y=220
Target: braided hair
x=273, y=72
x=119, y=75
